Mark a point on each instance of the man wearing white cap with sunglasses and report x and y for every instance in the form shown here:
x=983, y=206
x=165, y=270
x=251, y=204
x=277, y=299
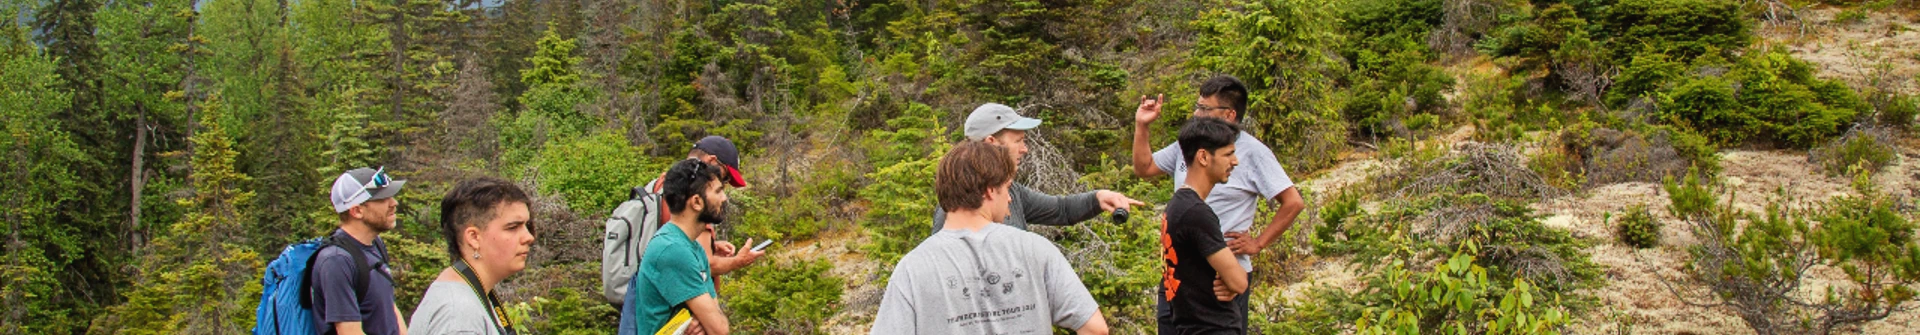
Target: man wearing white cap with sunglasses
x=1000, y=125
x=352, y=288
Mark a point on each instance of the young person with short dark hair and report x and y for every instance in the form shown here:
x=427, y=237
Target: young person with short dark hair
x=489, y=232
x=1237, y=200
x=345, y=302
x=1196, y=255
x=977, y=276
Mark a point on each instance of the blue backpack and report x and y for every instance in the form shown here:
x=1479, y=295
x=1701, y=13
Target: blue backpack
x=286, y=307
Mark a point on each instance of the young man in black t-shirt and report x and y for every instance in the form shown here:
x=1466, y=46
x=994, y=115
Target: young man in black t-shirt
x=1202, y=277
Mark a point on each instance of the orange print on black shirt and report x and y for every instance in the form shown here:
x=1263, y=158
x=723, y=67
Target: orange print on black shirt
x=1171, y=258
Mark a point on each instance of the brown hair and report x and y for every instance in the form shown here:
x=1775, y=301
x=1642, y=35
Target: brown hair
x=968, y=171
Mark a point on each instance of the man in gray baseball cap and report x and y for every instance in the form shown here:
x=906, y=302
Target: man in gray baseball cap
x=1000, y=125
x=346, y=302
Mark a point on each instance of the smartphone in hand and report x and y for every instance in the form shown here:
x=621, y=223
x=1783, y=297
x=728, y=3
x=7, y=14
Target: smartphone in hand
x=763, y=245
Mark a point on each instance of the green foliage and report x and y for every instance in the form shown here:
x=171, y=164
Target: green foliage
x=1507, y=236
x=1637, y=228
x=904, y=161
x=1278, y=48
x=803, y=214
x=1455, y=298
x=1449, y=264
x=1690, y=199
x=789, y=298
x=1764, y=96
x=564, y=311
x=553, y=63
x=1542, y=39
x=1866, y=151
x=1683, y=29
x=593, y=172
x=38, y=153
x=195, y=278
x=551, y=103
x=1334, y=217
x=1756, y=263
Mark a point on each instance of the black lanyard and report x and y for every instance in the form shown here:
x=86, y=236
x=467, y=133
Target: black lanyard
x=492, y=303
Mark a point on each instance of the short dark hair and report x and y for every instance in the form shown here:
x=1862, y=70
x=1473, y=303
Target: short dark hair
x=472, y=204
x=686, y=179
x=967, y=171
x=1228, y=89
x=1205, y=133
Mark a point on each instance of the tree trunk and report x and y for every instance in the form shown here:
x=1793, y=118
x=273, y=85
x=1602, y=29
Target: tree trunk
x=139, y=181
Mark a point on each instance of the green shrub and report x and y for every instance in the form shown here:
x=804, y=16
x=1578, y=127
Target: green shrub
x=799, y=216
x=1898, y=112
x=1689, y=198
x=1391, y=81
x=1758, y=270
x=1638, y=228
x=1334, y=217
x=1768, y=97
x=783, y=298
x=1864, y=150
x=1456, y=297
x=900, y=211
x=1683, y=29
x=564, y=311
x=595, y=172
x=1278, y=47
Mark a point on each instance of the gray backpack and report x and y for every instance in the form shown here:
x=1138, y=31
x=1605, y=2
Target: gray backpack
x=629, y=229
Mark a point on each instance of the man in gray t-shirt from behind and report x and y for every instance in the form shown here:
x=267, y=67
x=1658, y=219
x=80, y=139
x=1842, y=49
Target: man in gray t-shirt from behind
x=977, y=276
x=1000, y=125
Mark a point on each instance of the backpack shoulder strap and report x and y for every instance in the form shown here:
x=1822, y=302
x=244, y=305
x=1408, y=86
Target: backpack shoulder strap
x=360, y=266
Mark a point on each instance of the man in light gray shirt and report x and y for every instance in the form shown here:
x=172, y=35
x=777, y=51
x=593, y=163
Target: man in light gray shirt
x=1259, y=176
x=1000, y=125
x=981, y=277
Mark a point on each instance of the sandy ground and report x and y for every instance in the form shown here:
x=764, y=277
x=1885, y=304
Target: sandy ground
x=1854, y=51
x=1636, y=301
x=861, y=298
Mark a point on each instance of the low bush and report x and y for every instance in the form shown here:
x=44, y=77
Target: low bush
x=1756, y=264
x=1638, y=228
x=783, y=298
x=1861, y=150
x=1763, y=97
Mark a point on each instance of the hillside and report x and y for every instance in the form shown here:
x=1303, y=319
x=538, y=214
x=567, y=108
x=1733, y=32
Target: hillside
x=1469, y=166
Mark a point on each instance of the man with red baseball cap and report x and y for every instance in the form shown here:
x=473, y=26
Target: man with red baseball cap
x=718, y=150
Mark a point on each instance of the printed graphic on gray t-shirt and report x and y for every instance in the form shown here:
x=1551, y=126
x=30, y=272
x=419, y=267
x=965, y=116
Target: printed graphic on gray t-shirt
x=1258, y=177
x=451, y=308
x=998, y=280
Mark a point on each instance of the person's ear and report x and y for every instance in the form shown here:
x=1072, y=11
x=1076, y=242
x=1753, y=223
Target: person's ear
x=1230, y=115
x=471, y=235
x=1203, y=158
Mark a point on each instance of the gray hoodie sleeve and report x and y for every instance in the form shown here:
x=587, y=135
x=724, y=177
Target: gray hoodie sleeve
x=1046, y=209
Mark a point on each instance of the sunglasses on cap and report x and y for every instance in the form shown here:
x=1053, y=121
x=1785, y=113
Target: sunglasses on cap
x=379, y=180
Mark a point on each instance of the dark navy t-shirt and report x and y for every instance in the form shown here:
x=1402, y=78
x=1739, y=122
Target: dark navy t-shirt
x=334, y=299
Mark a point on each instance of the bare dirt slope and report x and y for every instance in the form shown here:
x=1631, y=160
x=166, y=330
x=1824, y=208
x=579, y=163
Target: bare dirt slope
x=1635, y=299
x=1884, y=46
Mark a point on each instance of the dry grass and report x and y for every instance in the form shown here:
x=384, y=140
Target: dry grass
x=1497, y=170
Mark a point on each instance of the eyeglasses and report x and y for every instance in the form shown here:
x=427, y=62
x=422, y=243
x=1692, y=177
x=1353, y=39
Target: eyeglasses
x=699, y=169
